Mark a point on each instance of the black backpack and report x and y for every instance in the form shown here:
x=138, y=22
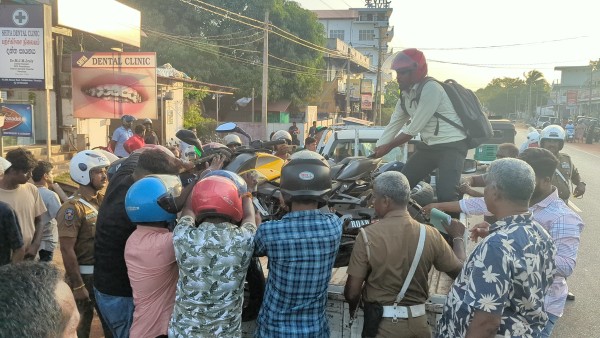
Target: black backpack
x=466, y=104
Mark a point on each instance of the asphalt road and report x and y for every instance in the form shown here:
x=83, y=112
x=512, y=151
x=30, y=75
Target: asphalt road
x=579, y=318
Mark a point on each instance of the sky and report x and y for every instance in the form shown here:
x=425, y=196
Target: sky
x=475, y=41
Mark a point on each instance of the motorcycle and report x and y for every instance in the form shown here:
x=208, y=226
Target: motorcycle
x=570, y=135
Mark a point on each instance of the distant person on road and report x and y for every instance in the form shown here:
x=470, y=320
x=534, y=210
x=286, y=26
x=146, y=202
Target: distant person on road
x=136, y=141
x=502, y=287
x=313, y=129
x=444, y=146
x=120, y=135
x=43, y=178
x=553, y=139
x=380, y=271
x=580, y=131
x=294, y=131
x=150, y=136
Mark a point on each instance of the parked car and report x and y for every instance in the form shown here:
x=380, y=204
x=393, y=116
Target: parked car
x=539, y=123
x=344, y=141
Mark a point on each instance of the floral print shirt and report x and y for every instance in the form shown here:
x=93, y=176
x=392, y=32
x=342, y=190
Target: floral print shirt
x=507, y=274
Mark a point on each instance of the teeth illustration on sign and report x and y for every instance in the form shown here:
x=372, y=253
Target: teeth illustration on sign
x=114, y=92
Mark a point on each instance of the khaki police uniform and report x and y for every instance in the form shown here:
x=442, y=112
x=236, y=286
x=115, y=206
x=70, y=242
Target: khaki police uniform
x=393, y=244
x=77, y=219
x=565, y=174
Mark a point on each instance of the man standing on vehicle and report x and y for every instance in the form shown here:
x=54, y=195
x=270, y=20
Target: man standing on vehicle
x=502, y=286
x=553, y=139
x=383, y=263
x=301, y=248
x=444, y=146
x=120, y=135
x=76, y=221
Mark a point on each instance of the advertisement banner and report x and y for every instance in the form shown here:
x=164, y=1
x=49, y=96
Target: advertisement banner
x=572, y=97
x=366, y=102
x=366, y=86
x=18, y=119
x=355, y=89
x=22, y=46
x=110, y=85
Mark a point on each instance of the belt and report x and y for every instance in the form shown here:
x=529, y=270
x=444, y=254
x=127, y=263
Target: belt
x=396, y=312
x=86, y=269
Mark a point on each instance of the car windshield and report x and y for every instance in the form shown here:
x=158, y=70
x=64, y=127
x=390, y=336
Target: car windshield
x=345, y=148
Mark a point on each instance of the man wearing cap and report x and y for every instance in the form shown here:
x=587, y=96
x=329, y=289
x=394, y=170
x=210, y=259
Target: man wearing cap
x=122, y=134
x=150, y=136
x=443, y=145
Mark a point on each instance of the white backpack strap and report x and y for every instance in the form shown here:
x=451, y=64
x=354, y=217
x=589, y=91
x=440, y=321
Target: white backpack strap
x=367, y=246
x=87, y=204
x=413, y=266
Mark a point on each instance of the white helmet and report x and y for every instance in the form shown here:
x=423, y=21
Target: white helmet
x=110, y=156
x=83, y=162
x=282, y=135
x=533, y=137
x=232, y=139
x=189, y=153
x=553, y=132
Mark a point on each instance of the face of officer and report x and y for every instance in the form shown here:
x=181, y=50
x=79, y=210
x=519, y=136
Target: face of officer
x=98, y=178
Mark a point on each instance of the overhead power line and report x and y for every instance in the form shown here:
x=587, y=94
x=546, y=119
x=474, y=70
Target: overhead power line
x=498, y=46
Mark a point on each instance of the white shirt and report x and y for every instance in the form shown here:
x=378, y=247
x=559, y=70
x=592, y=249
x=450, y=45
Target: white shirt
x=120, y=136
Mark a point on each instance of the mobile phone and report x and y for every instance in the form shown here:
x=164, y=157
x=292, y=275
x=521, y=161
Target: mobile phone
x=438, y=217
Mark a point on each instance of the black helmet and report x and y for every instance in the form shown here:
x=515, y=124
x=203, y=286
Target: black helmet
x=305, y=176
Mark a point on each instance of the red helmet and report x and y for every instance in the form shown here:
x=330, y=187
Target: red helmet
x=411, y=59
x=217, y=196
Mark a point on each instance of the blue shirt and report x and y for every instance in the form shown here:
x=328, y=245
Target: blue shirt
x=120, y=136
x=507, y=274
x=301, y=247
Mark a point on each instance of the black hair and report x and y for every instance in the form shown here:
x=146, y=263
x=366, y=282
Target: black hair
x=28, y=305
x=543, y=162
x=41, y=169
x=156, y=161
x=139, y=129
x=509, y=149
x=309, y=140
x=21, y=159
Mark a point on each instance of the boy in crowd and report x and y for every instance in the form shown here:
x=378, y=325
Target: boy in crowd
x=43, y=177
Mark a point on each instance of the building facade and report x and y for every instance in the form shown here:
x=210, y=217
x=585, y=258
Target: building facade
x=578, y=92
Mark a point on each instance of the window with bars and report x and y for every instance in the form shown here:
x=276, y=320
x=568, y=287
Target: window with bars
x=366, y=35
x=337, y=33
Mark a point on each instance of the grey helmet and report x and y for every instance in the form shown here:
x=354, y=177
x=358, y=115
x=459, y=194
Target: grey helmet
x=305, y=176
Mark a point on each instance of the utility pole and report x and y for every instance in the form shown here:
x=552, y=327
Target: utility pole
x=265, y=75
x=348, y=108
x=252, y=104
x=377, y=97
x=590, y=98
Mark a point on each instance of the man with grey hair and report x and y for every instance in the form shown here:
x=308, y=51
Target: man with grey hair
x=385, y=264
x=501, y=288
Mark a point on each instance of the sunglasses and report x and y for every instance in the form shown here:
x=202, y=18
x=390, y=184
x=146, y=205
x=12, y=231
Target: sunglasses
x=404, y=71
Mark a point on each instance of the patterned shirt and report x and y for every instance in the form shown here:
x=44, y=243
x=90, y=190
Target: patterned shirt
x=213, y=260
x=301, y=247
x=564, y=226
x=507, y=274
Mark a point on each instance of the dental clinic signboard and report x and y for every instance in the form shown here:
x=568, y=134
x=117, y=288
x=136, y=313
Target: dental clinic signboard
x=25, y=36
x=110, y=85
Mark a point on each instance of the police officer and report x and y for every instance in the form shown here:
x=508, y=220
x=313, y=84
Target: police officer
x=77, y=228
x=553, y=139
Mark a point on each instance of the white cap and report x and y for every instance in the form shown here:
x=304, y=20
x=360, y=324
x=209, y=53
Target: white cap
x=4, y=164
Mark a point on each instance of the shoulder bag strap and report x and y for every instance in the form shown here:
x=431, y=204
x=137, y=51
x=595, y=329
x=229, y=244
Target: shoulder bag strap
x=413, y=266
x=86, y=203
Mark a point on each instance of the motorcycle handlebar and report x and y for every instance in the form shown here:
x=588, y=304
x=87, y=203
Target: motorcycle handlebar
x=260, y=144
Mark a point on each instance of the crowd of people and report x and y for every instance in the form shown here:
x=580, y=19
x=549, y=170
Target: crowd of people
x=155, y=257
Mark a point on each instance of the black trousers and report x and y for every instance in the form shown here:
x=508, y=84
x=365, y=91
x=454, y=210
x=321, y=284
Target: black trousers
x=448, y=158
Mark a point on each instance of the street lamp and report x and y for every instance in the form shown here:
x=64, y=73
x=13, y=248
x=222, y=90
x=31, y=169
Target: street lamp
x=218, y=97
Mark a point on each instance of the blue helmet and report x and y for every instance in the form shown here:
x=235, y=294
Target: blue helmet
x=152, y=199
x=237, y=180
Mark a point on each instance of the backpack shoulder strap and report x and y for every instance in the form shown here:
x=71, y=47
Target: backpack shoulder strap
x=454, y=124
x=420, y=87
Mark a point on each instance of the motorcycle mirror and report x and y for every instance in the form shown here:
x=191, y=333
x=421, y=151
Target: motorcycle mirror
x=226, y=127
x=469, y=167
x=188, y=137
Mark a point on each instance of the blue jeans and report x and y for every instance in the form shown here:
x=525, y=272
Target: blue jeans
x=547, y=332
x=117, y=312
